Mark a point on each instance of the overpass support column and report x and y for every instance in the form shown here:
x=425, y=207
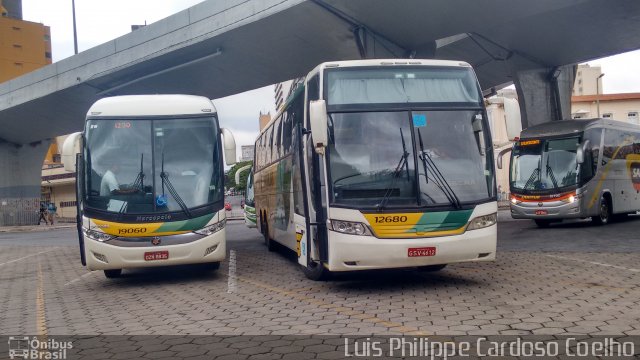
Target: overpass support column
x=544, y=94
x=20, y=180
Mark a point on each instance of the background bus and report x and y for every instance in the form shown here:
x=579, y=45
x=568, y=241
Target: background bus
x=150, y=182
x=379, y=164
x=575, y=169
x=248, y=201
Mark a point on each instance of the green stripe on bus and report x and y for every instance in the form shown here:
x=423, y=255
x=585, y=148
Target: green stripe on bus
x=186, y=225
x=441, y=221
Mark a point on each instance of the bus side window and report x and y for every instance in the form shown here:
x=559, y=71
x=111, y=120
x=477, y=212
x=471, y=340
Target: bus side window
x=313, y=91
x=269, y=147
x=277, y=138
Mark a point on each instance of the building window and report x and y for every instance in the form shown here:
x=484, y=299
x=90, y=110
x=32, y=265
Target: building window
x=633, y=116
x=607, y=115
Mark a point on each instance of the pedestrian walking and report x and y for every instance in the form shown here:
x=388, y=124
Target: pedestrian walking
x=52, y=212
x=43, y=214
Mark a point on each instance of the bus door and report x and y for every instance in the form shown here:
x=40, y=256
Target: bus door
x=300, y=207
x=79, y=196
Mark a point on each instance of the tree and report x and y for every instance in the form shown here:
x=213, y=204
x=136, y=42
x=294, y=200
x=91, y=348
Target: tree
x=230, y=178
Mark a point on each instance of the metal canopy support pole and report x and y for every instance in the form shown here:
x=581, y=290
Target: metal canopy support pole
x=20, y=182
x=544, y=94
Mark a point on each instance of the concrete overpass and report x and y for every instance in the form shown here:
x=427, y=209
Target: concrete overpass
x=219, y=48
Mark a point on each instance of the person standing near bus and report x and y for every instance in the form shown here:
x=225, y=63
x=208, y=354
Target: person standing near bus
x=43, y=214
x=52, y=212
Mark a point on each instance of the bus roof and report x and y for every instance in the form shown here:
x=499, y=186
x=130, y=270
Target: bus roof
x=562, y=127
x=390, y=62
x=152, y=105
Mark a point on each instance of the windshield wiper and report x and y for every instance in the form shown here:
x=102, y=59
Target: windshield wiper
x=551, y=175
x=532, y=177
x=138, y=183
x=166, y=182
x=438, y=179
x=403, y=163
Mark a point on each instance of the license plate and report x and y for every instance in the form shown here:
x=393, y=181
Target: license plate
x=156, y=255
x=542, y=212
x=423, y=251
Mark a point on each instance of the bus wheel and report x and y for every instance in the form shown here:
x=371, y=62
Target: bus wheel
x=212, y=266
x=432, y=268
x=315, y=271
x=605, y=212
x=271, y=246
x=542, y=223
x=113, y=274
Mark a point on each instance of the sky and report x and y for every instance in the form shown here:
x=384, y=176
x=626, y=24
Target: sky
x=101, y=21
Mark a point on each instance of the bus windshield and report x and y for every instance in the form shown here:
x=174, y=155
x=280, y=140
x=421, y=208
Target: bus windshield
x=409, y=158
x=152, y=166
x=402, y=85
x=545, y=164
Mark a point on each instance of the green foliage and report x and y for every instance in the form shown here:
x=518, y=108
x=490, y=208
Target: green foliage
x=230, y=177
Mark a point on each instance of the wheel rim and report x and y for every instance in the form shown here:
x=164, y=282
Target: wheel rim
x=604, y=211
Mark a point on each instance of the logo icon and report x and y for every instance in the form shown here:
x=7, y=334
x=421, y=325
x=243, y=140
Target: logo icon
x=540, y=204
x=155, y=241
x=19, y=347
x=161, y=200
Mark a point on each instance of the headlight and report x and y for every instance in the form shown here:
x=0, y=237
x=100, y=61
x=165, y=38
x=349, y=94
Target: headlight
x=483, y=221
x=349, y=227
x=98, y=235
x=214, y=228
x=571, y=199
x=514, y=200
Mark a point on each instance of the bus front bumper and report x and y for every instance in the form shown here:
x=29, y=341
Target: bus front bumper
x=352, y=252
x=555, y=210
x=103, y=256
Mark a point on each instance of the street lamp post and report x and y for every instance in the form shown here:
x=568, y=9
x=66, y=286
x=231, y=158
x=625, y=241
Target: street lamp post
x=598, y=93
x=75, y=35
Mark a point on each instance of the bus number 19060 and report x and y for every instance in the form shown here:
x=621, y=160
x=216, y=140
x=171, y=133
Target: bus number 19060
x=391, y=219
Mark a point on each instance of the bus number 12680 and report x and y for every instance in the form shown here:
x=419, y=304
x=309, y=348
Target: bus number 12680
x=390, y=219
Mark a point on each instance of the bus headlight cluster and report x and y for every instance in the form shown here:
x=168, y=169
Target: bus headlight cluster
x=515, y=200
x=349, y=227
x=211, y=229
x=483, y=221
x=97, y=235
x=571, y=199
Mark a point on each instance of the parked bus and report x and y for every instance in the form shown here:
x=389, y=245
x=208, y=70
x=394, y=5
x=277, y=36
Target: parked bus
x=376, y=164
x=575, y=169
x=248, y=200
x=150, y=182
x=249, y=203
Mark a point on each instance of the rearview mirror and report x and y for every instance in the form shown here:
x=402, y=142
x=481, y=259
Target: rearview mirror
x=500, y=155
x=318, y=119
x=229, y=146
x=70, y=148
x=580, y=152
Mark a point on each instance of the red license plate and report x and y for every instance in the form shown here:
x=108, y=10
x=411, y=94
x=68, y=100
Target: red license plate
x=542, y=212
x=423, y=251
x=156, y=255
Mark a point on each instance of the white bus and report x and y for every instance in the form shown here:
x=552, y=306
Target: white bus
x=150, y=182
x=575, y=169
x=379, y=164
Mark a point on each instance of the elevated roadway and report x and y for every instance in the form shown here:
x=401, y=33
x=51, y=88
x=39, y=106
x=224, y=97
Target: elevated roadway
x=220, y=48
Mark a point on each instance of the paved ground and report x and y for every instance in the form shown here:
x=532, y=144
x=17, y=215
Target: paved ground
x=568, y=279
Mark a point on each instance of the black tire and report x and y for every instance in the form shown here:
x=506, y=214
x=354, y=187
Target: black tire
x=270, y=244
x=542, y=223
x=212, y=266
x=604, y=215
x=316, y=272
x=432, y=268
x=113, y=274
